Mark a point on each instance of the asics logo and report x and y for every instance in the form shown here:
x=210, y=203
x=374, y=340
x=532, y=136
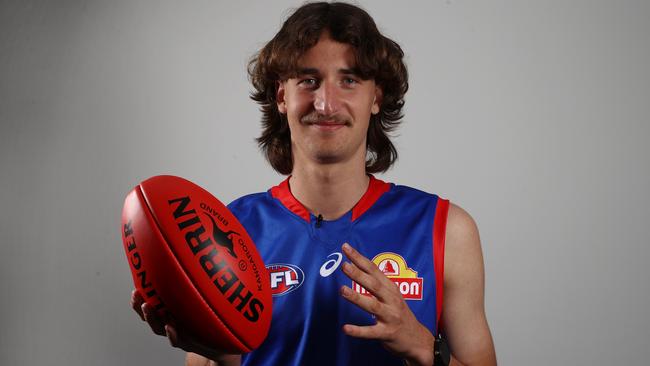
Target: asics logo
x=331, y=264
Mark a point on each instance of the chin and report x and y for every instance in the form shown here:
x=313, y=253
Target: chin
x=328, y=159
x=328, y=156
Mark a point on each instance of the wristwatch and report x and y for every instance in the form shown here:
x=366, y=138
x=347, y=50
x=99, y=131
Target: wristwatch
x=441, y=354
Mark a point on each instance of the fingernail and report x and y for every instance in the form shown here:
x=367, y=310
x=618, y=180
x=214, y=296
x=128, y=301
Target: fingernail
x=346, y=247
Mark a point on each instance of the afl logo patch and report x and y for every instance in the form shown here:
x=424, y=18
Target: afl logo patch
x=285, y=278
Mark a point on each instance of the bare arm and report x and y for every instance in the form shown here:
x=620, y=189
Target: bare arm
x=463, y=318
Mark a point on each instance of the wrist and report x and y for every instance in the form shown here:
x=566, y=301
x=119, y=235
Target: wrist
x=420, y=361
x=422, y=355
x=226, y=360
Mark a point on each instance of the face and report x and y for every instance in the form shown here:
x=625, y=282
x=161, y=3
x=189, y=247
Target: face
x=328, y=106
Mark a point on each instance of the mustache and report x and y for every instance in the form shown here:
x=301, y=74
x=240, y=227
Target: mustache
x=315, y=118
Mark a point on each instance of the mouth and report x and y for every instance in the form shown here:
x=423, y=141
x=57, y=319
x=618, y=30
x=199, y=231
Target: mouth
x=328, y=125
x=324, y=123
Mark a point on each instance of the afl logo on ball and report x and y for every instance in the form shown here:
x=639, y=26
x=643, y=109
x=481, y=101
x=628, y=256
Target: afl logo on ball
x=285, y=278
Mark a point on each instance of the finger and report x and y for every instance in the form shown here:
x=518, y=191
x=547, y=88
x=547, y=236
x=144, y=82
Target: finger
x=176, y=340
x=366, y=332
x=180, y=340
x=367, y=303
x=136, y=303
x=153, y=320
x=171, y=334
x=360, y=261
x=374, y=284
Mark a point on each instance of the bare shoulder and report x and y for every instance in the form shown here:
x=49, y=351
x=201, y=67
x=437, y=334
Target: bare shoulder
x=463, y=269
x=461, y=227
x=463, y=315
x=462, y=242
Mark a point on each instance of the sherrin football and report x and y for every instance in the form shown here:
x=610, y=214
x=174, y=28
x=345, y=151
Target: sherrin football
x=193, y=261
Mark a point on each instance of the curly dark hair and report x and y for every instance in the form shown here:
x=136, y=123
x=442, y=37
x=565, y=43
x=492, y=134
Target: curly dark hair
x=377, y=57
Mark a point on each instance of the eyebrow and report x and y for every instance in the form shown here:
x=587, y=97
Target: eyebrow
x=314, y=71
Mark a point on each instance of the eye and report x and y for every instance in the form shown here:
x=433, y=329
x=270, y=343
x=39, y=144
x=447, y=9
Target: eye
x=350, y=81
x=308, y=82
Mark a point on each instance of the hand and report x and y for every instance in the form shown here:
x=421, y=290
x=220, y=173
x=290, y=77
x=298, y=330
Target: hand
x=177, y=339
x=397, y=328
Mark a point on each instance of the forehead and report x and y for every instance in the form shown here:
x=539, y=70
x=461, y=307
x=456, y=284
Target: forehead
x=328, y=53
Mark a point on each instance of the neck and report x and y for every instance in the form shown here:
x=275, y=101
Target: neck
x=329, y=190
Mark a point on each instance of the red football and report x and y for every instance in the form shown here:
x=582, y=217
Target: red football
x=193, y=261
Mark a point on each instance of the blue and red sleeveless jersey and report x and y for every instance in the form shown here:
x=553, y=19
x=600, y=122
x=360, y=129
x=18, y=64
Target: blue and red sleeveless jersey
x=401, y=229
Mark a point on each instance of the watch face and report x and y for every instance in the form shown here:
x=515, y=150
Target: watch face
x=442, y=354
x=445, y=355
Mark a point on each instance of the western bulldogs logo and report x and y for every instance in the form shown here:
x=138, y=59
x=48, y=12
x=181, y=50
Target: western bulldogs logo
x=285, y=278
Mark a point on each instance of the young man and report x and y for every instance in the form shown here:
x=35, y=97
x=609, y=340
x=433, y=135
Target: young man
x=331, y=87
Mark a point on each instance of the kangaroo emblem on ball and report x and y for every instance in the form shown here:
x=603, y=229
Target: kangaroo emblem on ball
x=222, y=238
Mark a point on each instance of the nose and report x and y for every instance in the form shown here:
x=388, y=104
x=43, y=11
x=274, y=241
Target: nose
x=327, y=100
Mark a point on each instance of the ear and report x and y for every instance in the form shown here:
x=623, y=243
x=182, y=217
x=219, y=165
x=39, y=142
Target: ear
x=376, y=102
x=279, y=98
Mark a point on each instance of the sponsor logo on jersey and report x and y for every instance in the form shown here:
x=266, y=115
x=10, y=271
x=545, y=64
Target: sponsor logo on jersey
x=396, y=269
x=285, y=278
x=331, y=264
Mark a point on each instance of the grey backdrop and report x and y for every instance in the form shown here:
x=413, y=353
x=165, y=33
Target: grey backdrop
x=532, y=115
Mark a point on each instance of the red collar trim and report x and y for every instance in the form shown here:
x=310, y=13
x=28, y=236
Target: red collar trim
x=282, y=193
x=376, y=189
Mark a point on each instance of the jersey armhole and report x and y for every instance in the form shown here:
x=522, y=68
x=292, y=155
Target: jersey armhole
x=439, y=231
